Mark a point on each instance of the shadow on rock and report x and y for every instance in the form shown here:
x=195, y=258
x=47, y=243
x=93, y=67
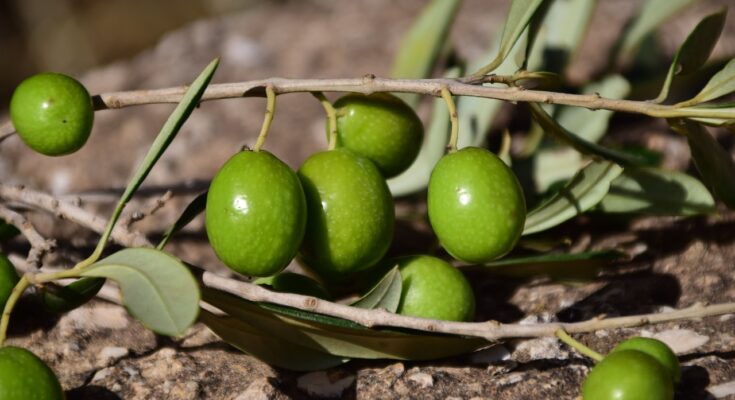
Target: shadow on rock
x=92, y=392
x=693, y=385
x=628, y=294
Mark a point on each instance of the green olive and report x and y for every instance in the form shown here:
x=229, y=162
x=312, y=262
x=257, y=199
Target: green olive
x=433, y=288
x=628, y=375
x=656, y=349
x=350, y=213
x=476, y=205
x=382, y=128
x=23, y=376
x=52, y=113
x=8, y=279
x=255, y=214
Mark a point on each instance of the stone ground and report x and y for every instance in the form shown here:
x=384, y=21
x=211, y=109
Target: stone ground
x=99, y=352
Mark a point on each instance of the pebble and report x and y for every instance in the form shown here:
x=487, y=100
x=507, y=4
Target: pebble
x=423, y=379
x=681, y=341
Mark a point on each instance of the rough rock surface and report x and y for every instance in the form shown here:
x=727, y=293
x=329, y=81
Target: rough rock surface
x=99, y=352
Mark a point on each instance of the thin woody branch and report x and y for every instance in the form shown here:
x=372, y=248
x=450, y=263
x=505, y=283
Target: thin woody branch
x=40, y=246
x=490, y=330
x=370, y=84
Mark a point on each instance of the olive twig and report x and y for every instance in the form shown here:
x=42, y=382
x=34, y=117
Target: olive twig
x=489, y=330
x=571, y=342
x=270, y=109
x=148, y=210
x=452, y=108
x=331, y=118
x=40, y=246
x=430, y=87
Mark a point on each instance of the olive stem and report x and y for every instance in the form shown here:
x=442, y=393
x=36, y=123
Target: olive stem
x=579, y=347
x=40, y=246
x=467, y=86
x=15, y=294
x=270, y=109
x=331, y=118
x=452, y=108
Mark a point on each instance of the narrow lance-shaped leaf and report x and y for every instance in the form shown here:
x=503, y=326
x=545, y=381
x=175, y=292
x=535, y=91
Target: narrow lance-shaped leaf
x=584, y=191
x=157, y=289
x=722, y=83
x=386, y=294
x=192, y=210
x=713, y=162
x=655, y=191
x=423, y=43
x=651, y=14
x=695, y=50
x=565, y=25
x=519, y=16
x=560, y=266
x=266, y=347
x=340, y=337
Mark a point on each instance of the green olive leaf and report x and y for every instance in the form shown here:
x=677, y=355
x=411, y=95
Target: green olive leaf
x=386, y=294
x=565, y=26
x=157, y=289
x=192, y=210
x=416, y=177
x=7, y=231
x=582, y=192
x=722, y=83
x=339, y=337
x=265, y=347
x=651, y=14
x=519, y=16
x=655, y=191
x=552, y=127
x=559, y=266
x=695, y=50
x=61, y=299
x=168, y=132
x=713, y=162
x=423, y=43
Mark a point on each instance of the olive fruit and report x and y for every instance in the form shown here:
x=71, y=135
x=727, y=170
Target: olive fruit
x=476, y=205
x=290, y=282
x=382, y=128
x=8, y=279
x=656, y=349
x=350, y=213
x=52, y=113
x=255, y=213
x=23, y=376
x=628, y=375
x=433, y=288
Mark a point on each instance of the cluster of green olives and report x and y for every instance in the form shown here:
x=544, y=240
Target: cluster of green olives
x=336, y=213
x=637, y=368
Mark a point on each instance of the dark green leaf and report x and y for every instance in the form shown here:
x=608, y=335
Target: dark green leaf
x=575, y=266
x=7, y=230
x=583, y=146
x=583, y=192
x=565, y=26
x=157, y=289
x=695, y=50
x=722, y=83
x=191, y=211
x=61, y=299
x=424, y=41
x=270, y=349
x=657, y=192
x=386, y=294
x=346, y=340
x=648, y=18
x=518, y=18
x=713, y=162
